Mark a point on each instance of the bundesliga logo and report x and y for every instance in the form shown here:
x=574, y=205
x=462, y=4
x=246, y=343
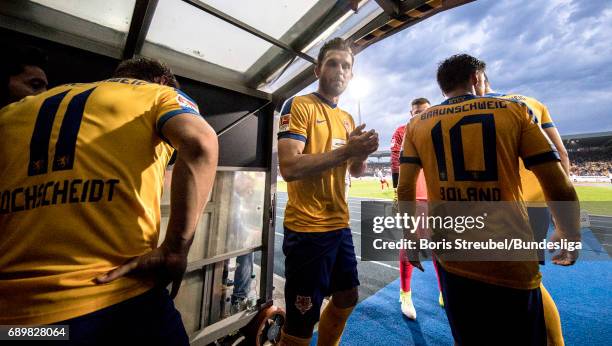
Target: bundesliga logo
x=186, y=103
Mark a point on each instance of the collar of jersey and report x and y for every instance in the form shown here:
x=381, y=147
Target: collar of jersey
x=326, y=101
x=458, y=99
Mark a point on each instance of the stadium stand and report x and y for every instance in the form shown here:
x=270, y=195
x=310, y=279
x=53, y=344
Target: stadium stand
x=590, y=154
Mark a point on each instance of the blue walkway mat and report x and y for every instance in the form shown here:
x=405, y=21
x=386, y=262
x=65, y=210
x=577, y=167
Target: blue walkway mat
x=583, y=294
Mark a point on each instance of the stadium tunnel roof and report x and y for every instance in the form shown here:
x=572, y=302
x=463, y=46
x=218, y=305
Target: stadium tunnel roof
x=264, y=48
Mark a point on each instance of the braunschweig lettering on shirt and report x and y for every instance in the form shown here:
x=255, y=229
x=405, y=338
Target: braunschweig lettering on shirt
x=476, y=105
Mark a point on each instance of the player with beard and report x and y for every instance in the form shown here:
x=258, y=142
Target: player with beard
x=318, y=143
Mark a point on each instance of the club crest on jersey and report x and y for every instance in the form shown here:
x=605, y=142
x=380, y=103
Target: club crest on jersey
x=303, y=304
x=283, y=124
x=186, y=103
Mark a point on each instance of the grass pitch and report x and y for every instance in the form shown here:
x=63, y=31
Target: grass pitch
x=596, y=198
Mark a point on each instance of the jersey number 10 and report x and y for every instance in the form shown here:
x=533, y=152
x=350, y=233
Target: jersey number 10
x=487, y=121
x=66, y=142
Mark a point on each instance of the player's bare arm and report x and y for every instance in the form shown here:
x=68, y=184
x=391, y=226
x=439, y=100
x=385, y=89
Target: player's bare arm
x=406, y=195
x=555, y=138
x=295, y=166
x=563, y=203
x=192, y=180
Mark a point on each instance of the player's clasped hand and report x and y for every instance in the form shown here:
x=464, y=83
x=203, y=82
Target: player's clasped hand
x=166, y=264
x=361, y=144
x=564, y=257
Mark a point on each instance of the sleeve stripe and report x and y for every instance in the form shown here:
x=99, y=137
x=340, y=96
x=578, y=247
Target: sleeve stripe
x=167, y=116
x=292, y=136
x=548, y=125
x=410, y=159
x=287, y=107
x=541, y=158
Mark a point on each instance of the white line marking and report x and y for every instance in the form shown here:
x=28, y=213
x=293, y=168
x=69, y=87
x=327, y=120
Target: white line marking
x=379, y=263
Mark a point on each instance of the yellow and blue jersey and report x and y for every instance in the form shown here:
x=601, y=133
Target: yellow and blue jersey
x=316, y=203
x=532, y=192
x=82, y=169
x=469, y=148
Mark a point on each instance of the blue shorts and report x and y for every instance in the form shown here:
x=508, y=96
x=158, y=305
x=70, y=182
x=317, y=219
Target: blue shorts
x=483, y=314
x=316, y=265
x=147, y=319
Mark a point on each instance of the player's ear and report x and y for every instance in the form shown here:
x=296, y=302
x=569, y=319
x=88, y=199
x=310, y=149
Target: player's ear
x=317, y=70
x=480, y=82
x=474, y=78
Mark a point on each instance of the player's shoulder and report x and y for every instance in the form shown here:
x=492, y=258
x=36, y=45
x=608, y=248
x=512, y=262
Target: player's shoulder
x=32, y=100
x=514, y=104
x=299, y=100
x=529, y=100
x=135, y=84
x=508, y=102
x=63, y=88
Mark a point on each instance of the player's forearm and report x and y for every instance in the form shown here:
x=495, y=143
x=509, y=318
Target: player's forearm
x=564, y=206
x=406, y=192
x=357, y=168
x=192, y=180
x=406, y=204
x=565, y=162
x=406, y=187
x=555, y=138
x=567, y=219
x=305, y=165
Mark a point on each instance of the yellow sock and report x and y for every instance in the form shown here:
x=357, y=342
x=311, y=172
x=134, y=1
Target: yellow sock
x=290, y=340
x=331, y=325
x=554, y=334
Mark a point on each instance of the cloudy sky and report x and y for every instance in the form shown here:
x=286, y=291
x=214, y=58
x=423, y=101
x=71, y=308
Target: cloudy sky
x=558, y=51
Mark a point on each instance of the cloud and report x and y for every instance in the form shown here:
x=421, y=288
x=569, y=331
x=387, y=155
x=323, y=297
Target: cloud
x=558, y=51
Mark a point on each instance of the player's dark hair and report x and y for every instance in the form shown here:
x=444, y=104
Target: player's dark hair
x=146, y=69
x=419, y=101
x=455, y=71
x=14, y=63
x=337, y=43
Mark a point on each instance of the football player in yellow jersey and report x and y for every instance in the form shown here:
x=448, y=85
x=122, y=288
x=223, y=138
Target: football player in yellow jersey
x=82, y=167
x=318, y=143
x=539, y=216
x=469, y=148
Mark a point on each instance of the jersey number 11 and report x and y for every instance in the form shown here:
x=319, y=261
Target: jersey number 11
x=63, y=158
